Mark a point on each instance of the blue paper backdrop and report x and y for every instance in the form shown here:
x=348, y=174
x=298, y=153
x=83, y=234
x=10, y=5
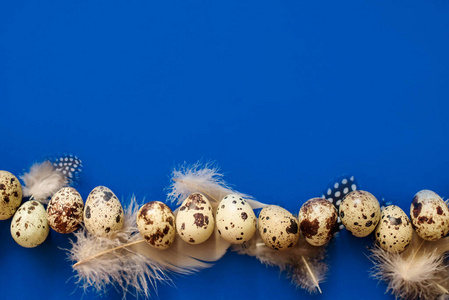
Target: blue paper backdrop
x=283, y=95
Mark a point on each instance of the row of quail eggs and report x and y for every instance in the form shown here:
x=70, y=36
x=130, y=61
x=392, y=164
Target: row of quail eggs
x=234, y=219
x=236, y=222
x=360, y=213
x=31, y=221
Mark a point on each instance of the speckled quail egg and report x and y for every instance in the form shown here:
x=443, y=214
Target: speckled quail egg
x=156, y=223
x=29, y=227
x=278, y=228
x=317, y=219
x=195, y=219
x=235, y=219
x=360, y=213
x=103, y=213
x=394, y=232
x=429, y=215
x=65, y=210
x=10, y=194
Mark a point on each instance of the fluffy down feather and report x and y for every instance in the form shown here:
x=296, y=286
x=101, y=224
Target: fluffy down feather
x=102, y=261
x=419, y=272
x=127, y=261
x=42, y=181
x=303, y=263
x=204, y=179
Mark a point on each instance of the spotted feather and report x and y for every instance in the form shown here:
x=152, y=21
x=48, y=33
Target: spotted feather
x=337, y=190
x=69, y=165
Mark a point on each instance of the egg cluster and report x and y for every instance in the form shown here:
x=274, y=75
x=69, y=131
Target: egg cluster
x=233, y=218
x=429, y=218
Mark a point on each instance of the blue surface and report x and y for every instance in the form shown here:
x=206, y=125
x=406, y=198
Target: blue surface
x=283, y=96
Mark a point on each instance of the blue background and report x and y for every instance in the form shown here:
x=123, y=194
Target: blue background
x=284, y=96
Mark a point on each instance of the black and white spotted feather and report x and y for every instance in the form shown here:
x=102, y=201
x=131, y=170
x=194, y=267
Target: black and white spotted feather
x=45, y=178
x=337, y=190
x=70, y=165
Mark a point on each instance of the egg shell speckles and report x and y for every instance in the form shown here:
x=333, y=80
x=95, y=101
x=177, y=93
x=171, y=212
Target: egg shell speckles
x=29, y=227
x=278, y=228
x=429, y=215
x=156, y=223
x=394, y=232
x=360, y=213
x=236, y=221
x=103, y=213
x=65, y=210
x=317, y=219
x=10, y=194
x=195, y=219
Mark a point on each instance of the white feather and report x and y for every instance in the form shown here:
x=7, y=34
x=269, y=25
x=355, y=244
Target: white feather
x=127, y=261
x=303, y=263
x=420, y=271
x=43, y=181
x=204, y=179
x=102, y=261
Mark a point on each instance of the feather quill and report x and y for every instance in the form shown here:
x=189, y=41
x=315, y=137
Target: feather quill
x=128, y=262
x=420, y=271
x=303, y=263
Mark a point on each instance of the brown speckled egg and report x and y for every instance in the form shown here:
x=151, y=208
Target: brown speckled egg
x=278, y=228
x=394, y=232
x=317, y=219
x=10, y=195
x=65, y=210
x=156, y=223
x=429, y=215
x=360, y=213
x=29, y=227
x=236, y=221
x=195, y=219
x=103, y=213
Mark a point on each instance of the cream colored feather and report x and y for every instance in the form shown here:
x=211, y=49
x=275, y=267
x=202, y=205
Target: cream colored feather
x=127, y=261
x=42, y=181
x=303, y=263
x=101, y=261
x=204, y=179
x=421, y=271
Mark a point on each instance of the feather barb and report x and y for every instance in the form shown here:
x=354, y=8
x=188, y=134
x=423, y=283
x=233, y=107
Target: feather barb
x=106, y=252
x=314, y=280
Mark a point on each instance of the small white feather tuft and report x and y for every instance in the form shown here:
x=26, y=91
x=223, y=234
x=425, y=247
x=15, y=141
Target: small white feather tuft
x=204, y=179
x=419, y=272
x=303, y=263
x=42, y=181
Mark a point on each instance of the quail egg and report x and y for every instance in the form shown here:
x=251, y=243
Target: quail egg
x=29, y=227
x=236, y=221
x=360, y=213
x=156, y=223
x=195, y=219
x=394, y=232
x=103, y=213
x=317, y=219
x=65, y=210
x=278, y=228
x=10, y=195
x=429, y=215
